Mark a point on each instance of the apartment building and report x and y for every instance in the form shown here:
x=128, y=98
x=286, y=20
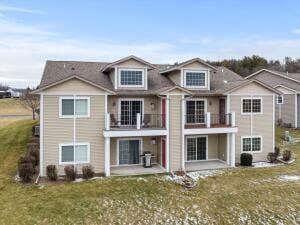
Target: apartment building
x=189, y=116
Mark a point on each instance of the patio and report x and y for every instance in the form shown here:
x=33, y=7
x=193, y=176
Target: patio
x=135, y=170
x=205, y=165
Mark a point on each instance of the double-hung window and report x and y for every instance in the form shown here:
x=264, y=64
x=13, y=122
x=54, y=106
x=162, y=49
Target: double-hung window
x=279, y=99
x=251, y=144
x=131, y=77
x=195, y=79
x=81, y=107
x=68, y=156
x=251, y=105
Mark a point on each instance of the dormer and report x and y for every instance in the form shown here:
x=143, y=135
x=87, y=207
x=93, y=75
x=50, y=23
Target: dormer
x=129, y=73
x=193, y=74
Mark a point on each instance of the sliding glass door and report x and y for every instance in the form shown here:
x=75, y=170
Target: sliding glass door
x=195, y=111
x=196, y=148
x=129, y=152
x=128, y=111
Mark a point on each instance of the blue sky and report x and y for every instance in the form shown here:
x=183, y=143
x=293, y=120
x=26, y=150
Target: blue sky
x=158, y=31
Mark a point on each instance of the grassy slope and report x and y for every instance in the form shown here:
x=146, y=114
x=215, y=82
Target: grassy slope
x=241, y=196
x=12, y=106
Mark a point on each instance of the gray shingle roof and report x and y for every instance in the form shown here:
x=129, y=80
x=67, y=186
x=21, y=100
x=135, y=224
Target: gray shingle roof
x=56, y=71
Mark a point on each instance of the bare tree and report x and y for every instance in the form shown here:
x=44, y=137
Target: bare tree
x=30, y=100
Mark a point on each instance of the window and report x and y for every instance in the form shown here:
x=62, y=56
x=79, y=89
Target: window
x=195, y=79
x=279, y=99
x=252, y=144
x=128, y=111
x=196, y=148
x=81, y=154
x=129, y=151
x=195, y=111
x=82, y=107
x=131, y=77
x=251, y=105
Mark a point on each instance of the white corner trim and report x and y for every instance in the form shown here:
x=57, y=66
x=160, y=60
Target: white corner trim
x=273, y=125
x=296, y=111
x=42, y=134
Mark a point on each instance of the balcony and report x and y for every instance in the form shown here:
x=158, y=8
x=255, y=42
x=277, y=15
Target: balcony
x=208, y=120
x=135, y=122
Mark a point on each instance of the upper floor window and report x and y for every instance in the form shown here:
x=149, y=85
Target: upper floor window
x=251, y=105
x=131, y=77
x=279, y=99
x=195, y=79
x=67, y=107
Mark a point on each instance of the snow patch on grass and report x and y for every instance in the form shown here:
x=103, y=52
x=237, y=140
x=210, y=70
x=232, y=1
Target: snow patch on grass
x=265, y=164
x=289, y=178
x=204, y=173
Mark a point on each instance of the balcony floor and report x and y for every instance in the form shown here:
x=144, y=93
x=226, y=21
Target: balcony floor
x=205, y=165
x=135, y=170
x=197, y=126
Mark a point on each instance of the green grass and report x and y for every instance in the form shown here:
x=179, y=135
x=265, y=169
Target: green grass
x=10, y=106
x=239, y=196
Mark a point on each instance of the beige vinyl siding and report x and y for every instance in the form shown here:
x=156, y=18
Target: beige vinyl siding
x=262, y=126
x=175, y=132
x=146, y=146
x=175, y=76
x=131, y=63
x=286, y=111
x=112, y=76
x=147, y=104
x=60, y=130
x=222, y=153
x=73, y=86
x=196, y=65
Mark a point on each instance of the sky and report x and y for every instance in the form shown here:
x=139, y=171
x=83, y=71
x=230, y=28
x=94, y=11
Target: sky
x=159, y=31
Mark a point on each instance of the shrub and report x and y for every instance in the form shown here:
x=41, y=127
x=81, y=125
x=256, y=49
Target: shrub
x=25, y=171
x=246, y=159
x=27, y=159
x=52, y=172
x=277, y=151
x=286, y=155
x=272, y=157
x=34, y=153
x=34, y=140
x=70, y=172
x=87, y=172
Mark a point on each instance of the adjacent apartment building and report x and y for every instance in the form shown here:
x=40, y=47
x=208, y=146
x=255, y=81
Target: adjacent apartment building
x=189, y=116
x=287, y=107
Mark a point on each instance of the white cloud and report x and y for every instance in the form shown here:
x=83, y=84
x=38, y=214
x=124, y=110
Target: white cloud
x=6, y=8
x=25, y=48
x=296, y=31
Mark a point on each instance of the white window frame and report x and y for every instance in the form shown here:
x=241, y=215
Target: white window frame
x=252, y=113
x=129, y=139
x=72, y=144
x=72, y=116
x=195, y=71
x=254, y=136
x=279, y=103
x=130, y=99
x=205, y=107
x=196, y=136
x=131, y=69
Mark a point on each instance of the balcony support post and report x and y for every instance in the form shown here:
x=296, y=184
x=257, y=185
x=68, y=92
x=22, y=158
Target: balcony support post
x=107, y=156
x=208, y=119
x=138, y=121
x=232, y=119
x=107, y=122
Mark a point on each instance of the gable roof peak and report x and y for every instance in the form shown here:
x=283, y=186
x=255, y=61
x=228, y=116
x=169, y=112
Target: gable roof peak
x=110, y=65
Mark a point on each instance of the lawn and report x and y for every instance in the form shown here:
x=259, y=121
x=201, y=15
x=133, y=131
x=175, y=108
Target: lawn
x=238, y=196
x=11, y=106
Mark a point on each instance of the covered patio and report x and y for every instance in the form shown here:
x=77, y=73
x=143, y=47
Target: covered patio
x=135, y=170
x=206, y=165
